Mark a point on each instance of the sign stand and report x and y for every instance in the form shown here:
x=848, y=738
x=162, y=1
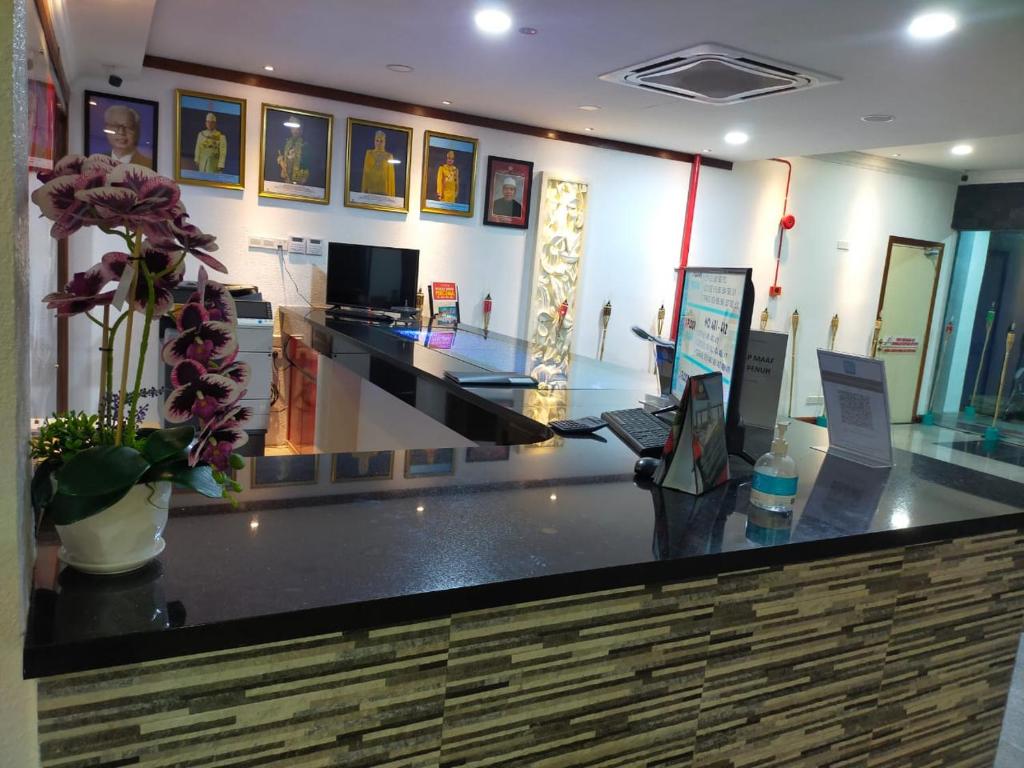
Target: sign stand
x=857, y=402
x=695, y=459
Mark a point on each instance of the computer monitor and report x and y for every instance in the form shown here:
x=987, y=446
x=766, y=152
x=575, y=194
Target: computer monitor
x=371, y=276
x=714, y=324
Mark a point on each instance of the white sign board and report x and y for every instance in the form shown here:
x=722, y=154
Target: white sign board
x=762, y=378
x=857, y=403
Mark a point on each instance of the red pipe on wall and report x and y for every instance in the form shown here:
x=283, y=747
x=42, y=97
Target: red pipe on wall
x=684, y=250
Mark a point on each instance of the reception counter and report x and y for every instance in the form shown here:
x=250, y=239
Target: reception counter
x=528, y=603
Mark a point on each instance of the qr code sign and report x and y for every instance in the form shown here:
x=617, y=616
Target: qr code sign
x=855, y=409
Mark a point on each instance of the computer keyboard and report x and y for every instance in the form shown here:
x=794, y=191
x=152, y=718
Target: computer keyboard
x=644, y=432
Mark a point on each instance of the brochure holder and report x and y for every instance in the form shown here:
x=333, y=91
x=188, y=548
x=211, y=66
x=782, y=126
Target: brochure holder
x=857, y=403
x=695, y=459
x=444, y=303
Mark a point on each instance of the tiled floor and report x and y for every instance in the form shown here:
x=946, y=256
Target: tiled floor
x=935, y=442
x=1011, y=742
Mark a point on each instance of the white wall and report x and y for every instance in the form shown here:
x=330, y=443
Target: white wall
x=634, y=232
x=736, y=224
x=634, y=224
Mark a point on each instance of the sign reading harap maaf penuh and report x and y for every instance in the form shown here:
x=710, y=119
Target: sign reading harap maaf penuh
x=709, y=326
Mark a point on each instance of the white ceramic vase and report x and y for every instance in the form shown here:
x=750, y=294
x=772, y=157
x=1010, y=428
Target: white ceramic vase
x=122, y=537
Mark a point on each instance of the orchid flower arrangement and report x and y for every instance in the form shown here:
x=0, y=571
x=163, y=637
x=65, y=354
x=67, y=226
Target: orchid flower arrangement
x=144, y=210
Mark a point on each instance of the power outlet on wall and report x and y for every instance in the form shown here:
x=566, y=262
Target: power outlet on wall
x=815, y=399
x=258, y=242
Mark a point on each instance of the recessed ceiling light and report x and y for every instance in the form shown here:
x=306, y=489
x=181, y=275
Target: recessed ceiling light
x=268, y=67
x=588, y=107
x=527, y=31
x=399, y=67
x=962, y=149
x=291, y=122
x=446, y=102
x=736, y=137
x=708, y=151
x=589, y=130
x=493, y=21
x=553, y=497
x=878, y=118
x=929, y=26
x=896, y=154
x=419, y=508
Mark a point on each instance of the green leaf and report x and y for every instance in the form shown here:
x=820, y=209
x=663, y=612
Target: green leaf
x=101, y=470
x=64, y=509
x=199, y=479
x=164, y=444
x=43, y=485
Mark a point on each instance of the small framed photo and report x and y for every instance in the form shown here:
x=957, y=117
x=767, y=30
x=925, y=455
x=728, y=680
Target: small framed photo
x=209, y=140
x=295, y=154
x=284, y=470
x=509, y=184
x=368, y=465
x=430, y=463
x=449, y=174
x=483, y=453
x=122, y=127
x=377, y=167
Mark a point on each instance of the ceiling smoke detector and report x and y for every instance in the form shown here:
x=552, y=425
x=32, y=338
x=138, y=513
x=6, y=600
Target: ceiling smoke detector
x=715, y=74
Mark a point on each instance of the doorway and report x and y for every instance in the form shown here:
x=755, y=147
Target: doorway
x=905, y=306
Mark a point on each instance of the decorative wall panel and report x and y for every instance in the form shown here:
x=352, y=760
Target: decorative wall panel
x=556, y=274
x=899, y=658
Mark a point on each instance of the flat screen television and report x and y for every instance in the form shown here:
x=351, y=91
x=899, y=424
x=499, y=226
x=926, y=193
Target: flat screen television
x=371, y=276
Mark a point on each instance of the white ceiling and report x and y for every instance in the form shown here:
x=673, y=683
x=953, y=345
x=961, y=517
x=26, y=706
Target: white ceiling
x=967, y=85
x=995, y=153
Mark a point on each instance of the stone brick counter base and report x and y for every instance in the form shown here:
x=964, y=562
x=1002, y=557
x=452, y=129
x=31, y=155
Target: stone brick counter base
x=901, y=657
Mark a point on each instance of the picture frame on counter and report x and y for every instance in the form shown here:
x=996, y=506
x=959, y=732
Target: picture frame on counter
x=123, y=127
x=295, y=154
x=365, y=465
x=377, y=165
x=209, y=140
x=508, y=192
x=449, y=174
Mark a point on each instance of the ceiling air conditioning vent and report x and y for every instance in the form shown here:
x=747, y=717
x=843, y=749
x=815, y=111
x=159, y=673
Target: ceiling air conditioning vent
x=714, y=74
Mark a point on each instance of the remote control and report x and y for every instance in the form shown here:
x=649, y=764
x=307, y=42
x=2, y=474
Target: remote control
x=584, y=426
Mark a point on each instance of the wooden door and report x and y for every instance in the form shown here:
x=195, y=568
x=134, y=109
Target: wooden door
x=905, y=308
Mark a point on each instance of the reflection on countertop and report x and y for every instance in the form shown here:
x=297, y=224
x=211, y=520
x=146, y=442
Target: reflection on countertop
x=325, y=542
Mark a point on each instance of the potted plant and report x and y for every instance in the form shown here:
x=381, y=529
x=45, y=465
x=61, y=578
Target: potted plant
x=103, y=479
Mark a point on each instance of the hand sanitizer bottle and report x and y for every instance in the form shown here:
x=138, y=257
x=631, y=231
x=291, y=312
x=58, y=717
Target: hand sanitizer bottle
x=774, y=486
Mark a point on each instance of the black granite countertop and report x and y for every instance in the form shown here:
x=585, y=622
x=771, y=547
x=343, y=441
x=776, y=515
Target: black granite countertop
x=513, y=524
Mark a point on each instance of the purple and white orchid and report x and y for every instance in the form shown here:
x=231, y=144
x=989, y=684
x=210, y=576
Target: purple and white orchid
x=144, y=209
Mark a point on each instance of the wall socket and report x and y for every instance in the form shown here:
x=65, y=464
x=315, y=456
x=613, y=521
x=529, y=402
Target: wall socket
x=815, y=400
x=267, y=243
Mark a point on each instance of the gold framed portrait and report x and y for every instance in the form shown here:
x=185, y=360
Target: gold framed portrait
x=209, y=140
x=449, y=174
x=295, y=154
x=377, y=166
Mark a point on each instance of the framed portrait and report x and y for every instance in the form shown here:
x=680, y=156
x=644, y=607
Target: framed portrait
x=377, y=167
x=270, y=471
x=367, y=465
x=122, y=127
x=449, y=174
x=295, y=155
x=507, y=196
x=430, y=462
x=483, y=453
x=209, y=140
